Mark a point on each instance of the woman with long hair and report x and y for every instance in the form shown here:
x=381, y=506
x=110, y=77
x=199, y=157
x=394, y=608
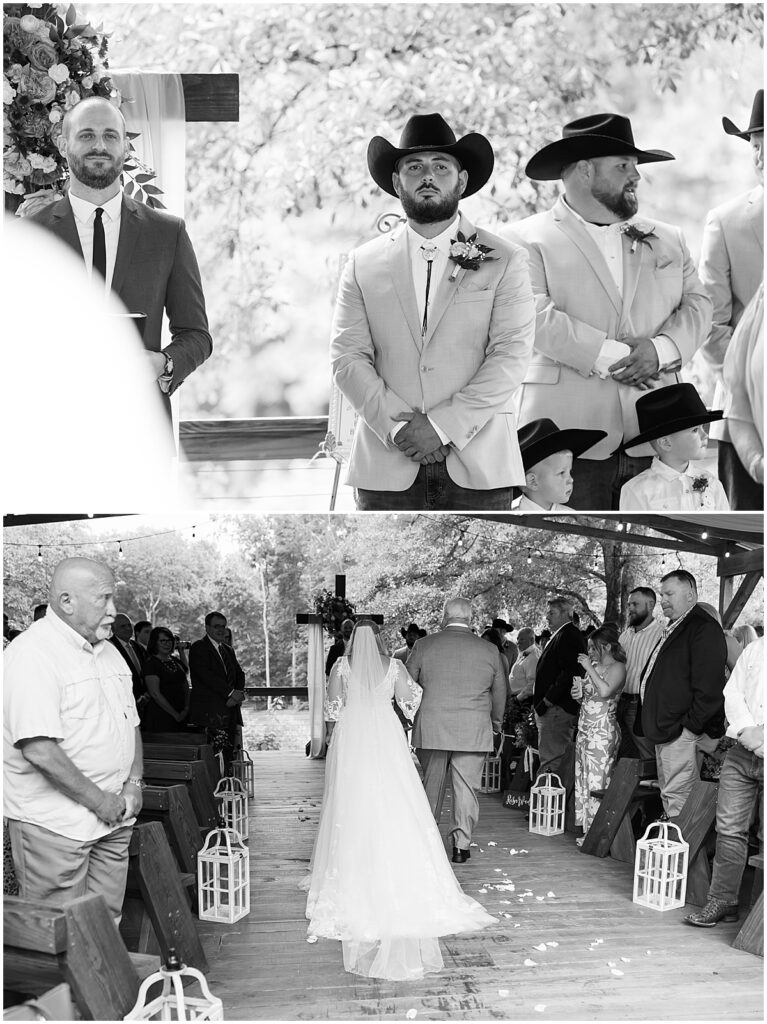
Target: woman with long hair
x=380, y=880
x=596, y=746
x=167, y=686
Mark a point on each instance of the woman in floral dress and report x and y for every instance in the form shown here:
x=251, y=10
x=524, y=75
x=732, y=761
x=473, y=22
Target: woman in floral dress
x=596, y=746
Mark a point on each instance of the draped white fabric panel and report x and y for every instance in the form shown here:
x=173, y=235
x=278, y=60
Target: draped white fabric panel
x=316, y=682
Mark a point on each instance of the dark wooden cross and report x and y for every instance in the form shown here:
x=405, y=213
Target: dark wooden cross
x=307, y=618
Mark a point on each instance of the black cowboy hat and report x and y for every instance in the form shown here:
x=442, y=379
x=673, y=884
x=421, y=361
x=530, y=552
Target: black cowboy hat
x=431, y=133
x=540, y=438
x=500, y=624
x=596, y=135
x=667, y=411
x=412, y=628
x=756, y=121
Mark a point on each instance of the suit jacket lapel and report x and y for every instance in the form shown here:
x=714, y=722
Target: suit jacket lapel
x=398, y=259
x=129, y=232
x=632, y=265
x=64, y=225
x=447, y=288
x=569, y=224
x=756, y=210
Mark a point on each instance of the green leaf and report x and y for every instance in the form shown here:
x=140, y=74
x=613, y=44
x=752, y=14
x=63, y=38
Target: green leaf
x=143, y=177
x=152, y=190
x=71, y=14
x=128, y=190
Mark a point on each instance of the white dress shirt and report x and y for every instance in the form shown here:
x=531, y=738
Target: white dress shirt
x=85, y=215
x=525, y=504
x=661, y=487
x=744, y=690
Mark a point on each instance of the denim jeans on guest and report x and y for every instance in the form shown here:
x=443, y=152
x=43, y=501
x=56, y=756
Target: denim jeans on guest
x=741, y=789
x=433, y=489
x=597, y=484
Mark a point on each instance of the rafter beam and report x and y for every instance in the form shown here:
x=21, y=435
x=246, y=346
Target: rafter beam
x=731, y=613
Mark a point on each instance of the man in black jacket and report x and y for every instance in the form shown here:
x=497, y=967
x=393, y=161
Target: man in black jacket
x=556, y=713
x=681, y=688
x=218, y=686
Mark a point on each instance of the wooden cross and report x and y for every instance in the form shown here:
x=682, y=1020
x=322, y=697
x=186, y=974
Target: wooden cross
x=305, y=618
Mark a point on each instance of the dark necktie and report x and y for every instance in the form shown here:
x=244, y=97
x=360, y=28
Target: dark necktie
x=428, y=252
x=99, y=244
x=227, y=660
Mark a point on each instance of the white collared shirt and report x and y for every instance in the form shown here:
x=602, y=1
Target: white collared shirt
x=525, y=504
x=661, y=487
x=419, y=266
x=522, y=680
x=85, y=215
x=59, y=686
x=744, y=690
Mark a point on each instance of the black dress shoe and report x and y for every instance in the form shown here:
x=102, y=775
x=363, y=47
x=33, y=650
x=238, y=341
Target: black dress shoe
x=713, y=912
x=459, y=856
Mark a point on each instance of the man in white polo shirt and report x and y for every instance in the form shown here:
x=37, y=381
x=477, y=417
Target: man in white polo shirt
x=71, y=746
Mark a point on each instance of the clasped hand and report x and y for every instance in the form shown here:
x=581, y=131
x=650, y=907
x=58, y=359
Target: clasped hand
x=419, y=440
x=639, y=367
x=235, y=698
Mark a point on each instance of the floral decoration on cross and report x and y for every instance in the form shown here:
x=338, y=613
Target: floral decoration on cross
x=333, y=610
x=640, y=234
x=468, y=253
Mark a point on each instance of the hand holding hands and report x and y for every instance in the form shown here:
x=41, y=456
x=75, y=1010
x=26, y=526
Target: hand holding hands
x=236, y=697
x=156, y=363
x=112, y=808
x=639, y=367
x=418, y=439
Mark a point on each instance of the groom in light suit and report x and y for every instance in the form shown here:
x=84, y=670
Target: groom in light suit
x=432, y=333
x=620, y=307
x=459, y=720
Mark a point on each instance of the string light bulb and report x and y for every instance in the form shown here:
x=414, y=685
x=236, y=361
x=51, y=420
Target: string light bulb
x=704, y=535
x=39, y=552
x=120, y=549
x=529, y=557
x=194, y=533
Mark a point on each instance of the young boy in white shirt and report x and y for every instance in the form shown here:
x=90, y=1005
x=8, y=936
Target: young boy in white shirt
x=547, y=458
x=671, y=419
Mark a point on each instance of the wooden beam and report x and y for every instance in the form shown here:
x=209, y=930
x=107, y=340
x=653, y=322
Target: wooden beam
x=308, y=619
x=735, y=606
x=280, y=437
x=278, y=691
x=740, y=562
x=211, y=97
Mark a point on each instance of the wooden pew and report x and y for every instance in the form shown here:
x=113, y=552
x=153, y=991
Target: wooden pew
x=154, y=877
x=77, y=943
x=696, y=820
x=192, y=774
x=611, y=831
x=195, y=739
x=172, y=807
x=186, y=752
x=750, y=938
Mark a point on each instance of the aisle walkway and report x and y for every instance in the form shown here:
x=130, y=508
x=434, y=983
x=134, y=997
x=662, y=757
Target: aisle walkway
x=264, y=969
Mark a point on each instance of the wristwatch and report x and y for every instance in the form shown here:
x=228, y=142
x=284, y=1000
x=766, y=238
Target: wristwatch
x=166, y=377
x=134, y=780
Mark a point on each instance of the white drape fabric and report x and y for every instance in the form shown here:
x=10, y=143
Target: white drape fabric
x=316, y=683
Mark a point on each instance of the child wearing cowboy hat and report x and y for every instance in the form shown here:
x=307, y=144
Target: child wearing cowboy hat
x=547, y=458
x=671, y=419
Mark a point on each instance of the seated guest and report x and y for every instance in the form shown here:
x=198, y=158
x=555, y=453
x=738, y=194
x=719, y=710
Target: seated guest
x=522, y=681
x=167, y=686
x=547, y=459
x=596, y=745
x=672, y=419
x=744, y=377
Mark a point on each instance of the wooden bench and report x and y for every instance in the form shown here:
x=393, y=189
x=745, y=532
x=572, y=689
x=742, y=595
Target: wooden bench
x=192, y=774
x=194, y=739
x=154, y=879
x=611, y=831
x=696, y=821
x=172, y=807
x=185, y=752
x=750, y=938
x=77, y=943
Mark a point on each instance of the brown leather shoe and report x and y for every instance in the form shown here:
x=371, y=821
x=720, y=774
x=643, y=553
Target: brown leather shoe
x=459, y=856
x=713, y=912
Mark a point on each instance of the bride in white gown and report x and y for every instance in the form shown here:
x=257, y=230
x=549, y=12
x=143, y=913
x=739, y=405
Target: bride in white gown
x=380, y=879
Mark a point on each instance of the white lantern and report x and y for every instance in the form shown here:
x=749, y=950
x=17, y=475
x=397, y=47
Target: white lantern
x=491, y=775
x=547, y=806
x=660, y=868
x=223, y=877
x=242, y=769
x=174, y=1001
x=234, y=805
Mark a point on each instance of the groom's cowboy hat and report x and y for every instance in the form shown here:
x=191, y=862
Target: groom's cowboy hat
x=668, y=410
x=429, y=133
x=541, y=438
x=592, y=136
x=756, y=121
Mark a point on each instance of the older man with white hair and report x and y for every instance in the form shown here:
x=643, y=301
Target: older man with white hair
x=459, y=720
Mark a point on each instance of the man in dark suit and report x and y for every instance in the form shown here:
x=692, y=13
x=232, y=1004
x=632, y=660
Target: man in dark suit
x=121, y=638
x=218, y=686
x=556, y=713
x=682, y=688
x=144, y=255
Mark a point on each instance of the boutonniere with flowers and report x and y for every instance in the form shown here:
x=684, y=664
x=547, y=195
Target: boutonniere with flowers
x=640, y=234
x=468, y=254
x=700, y=486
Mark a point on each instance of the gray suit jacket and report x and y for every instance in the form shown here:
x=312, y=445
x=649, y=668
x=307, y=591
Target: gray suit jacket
x=579, y=307
x=464, y=374
x=464, y=691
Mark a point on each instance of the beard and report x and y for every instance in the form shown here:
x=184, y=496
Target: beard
x=96, y=179
x=433, y=209
x=620, y=203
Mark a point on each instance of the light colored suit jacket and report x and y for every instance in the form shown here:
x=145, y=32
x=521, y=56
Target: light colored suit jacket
x=579, y=307
x=464, y=691
x=474, y=355
x=731, y=269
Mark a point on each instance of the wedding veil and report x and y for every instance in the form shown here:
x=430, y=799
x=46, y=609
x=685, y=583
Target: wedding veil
x=366, y=651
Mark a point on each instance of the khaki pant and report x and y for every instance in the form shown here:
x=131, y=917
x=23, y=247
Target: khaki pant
x=677, y=770
x=56, y=869
x=465, y=769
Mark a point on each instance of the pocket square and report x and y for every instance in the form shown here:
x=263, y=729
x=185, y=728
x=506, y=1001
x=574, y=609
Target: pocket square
x=662, y=262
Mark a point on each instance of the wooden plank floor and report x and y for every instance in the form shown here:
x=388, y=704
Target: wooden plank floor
x=546, y=892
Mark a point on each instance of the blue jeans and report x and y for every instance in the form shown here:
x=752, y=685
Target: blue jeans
x=433, y=489
x=597, y=484
x=741, y=789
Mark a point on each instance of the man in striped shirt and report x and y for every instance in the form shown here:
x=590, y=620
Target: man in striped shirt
x=639, y=640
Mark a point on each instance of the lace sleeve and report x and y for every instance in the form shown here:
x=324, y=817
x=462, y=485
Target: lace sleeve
x=407, y=692
x=335, y=697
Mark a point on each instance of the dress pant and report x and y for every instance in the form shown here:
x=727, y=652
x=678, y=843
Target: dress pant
x=677, y=770
x=556, y=739
x=597, y=484
x=56, y=869
x=632, y=745
x=743, y=493
x=741, y=790
x=465, y=770
x=433, y=489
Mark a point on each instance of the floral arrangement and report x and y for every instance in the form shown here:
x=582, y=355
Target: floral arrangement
x=640, y=234
x=333, y=610
x=50, y=63
x=700, y=486
x=468, y=253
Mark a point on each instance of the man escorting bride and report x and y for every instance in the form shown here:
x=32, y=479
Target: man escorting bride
x=380, y=880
